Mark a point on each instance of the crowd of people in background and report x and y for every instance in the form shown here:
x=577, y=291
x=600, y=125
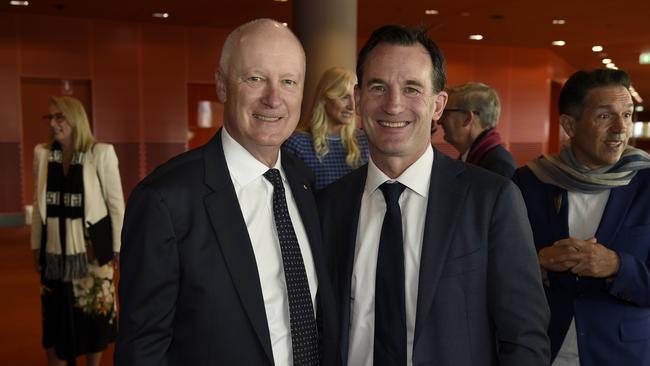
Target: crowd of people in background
x=349, y=239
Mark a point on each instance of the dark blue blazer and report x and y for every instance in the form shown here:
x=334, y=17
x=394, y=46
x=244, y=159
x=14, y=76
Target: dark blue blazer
x=190, y=292
x=612, y=315
x=480, y=297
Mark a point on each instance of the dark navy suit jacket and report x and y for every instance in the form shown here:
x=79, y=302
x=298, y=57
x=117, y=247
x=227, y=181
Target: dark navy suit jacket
x=612, y=315
x=189, y=288
x=480, y=298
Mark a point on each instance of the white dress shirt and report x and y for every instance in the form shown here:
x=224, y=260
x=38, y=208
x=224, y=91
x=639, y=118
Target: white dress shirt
x=255, y=196
x=585, y=213
x=413, y=204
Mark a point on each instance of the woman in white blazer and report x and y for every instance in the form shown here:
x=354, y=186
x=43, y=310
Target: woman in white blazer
x=78, y=197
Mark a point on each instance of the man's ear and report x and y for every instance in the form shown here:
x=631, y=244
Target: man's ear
x=220, y=79
x=439, y=104
x=568, y=123
x=471, y=117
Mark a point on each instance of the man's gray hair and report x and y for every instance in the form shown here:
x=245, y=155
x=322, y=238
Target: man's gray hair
x=480, y=99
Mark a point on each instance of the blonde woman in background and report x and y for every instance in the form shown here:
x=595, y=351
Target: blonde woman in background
x=77, y=185
x=334, y=146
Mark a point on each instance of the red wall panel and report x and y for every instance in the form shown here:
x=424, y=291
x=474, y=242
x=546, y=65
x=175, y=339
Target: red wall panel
x=55, y=47
x=10, y=127
x=203, y=53
x=116, y=81
x=531, y=95
x=164, y=84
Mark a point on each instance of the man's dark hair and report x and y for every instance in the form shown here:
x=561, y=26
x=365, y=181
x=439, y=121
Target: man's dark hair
x=403, y=36
x=575, y=90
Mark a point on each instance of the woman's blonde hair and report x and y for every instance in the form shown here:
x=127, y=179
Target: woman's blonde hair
x=75, y=114
x=333, y=84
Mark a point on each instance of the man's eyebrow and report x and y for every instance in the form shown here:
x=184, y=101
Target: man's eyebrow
x=375, y=81
x=414, y=83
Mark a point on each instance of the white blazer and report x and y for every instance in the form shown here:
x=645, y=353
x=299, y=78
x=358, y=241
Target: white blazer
x=100, y=163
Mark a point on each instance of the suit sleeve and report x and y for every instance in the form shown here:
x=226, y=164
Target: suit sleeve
x=632, y=282
x=109, y=173
x=516, y=296
x=149, y=280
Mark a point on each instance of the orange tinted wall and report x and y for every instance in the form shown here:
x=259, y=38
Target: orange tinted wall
x=140, y=73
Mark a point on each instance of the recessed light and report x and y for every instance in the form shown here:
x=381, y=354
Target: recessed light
x=476, y=37
x=558, y=43
x=611, y=65
x=431, y=12
x=281, y=1
x=607, y=61
x=639, y=108
x=160, y=15
x=285, y=24
x=644, y=58
x=559, y=21
x=19, y=3
x=597, y=48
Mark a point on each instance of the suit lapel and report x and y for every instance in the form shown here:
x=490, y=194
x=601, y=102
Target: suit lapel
x=557, y=212
x=233, y=239
x=446, y=200
x=301, y=191
x=348, y=224
x=616, y=209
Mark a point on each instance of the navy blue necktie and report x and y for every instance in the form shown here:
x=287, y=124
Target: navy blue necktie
x=390, y=308
x=304, y=335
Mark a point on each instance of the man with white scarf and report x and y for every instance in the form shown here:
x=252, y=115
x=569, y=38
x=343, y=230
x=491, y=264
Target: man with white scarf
x=588, y=207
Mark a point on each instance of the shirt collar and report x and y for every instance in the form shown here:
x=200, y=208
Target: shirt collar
x=243, y=166
x=416, y=177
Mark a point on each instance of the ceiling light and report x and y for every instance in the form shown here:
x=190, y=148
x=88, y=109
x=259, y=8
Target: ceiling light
x=611, y=65
x=281, y=1
x=475, y=37
x=607, y=61
x=431, y=12
x=19, y=3
x=160, y=15
x=558, y=43
x=285, y=24
x=638, y=108
x=597, y=48
x=644, y=58
x=559, y=21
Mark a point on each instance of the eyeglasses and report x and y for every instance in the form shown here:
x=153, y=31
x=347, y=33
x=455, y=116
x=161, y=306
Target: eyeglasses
x=57, y=117
x=460, y=110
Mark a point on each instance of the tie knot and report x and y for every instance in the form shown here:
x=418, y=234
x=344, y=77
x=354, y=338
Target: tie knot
x=273, y=176
x=392, y=191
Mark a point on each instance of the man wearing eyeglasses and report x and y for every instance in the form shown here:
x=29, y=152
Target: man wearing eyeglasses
x=469, y=122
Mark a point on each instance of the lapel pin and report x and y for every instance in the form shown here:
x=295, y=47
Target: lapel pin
x=305, y=187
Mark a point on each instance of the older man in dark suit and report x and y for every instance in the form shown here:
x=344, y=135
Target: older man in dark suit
x=221, y=256
x=434, y=258
x=469, y=121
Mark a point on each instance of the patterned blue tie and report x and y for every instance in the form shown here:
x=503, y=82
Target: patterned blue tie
x=304, y=335
x=390, y=308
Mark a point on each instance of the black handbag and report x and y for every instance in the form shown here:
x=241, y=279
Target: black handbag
x=101, y=238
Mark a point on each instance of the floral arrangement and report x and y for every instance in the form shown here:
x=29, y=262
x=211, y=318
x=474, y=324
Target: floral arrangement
x=95, y=294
